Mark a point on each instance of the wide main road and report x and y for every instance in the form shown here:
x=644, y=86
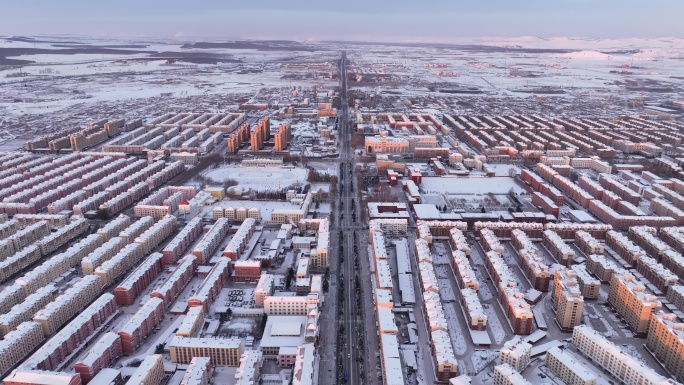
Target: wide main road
x=350, y=354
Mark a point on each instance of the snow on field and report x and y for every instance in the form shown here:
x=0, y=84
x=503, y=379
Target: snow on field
x=586, y=55
x=259, y=178
x=468, y=186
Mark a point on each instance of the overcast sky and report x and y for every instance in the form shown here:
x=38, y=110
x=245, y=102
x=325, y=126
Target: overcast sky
x=372, y=20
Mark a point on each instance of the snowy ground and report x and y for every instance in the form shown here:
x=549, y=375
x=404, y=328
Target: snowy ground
x=468, y=186
x=259, y=178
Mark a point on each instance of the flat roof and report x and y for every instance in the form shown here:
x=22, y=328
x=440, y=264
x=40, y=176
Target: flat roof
x=386, y=320
x=106, y=376
x=287, y=328
x=426, y=211
x=270, y=340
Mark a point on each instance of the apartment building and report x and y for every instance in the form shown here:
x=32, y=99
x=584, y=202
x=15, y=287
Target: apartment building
x=264, y=288
x=221, y=351
x=25, y=310
x=567, y=300
x=464, y=272
x=381, y=144
x=114, y=268
x=141, y=325
x=589, y=286
x=180, y=277
x=103, y=354
x=517, y=310
x=211, y=240
x=291, y=305
x=246, y=271
x=150, y=371
x=516, y=353
x=53, y=353
x=568, y=369
x=138, y=280
x=601, y=267
x=631, y=300
x=73, y=300
x=192, y=323
x=319, y=254
x=211, y=285
x=675, y=295
x=181, y=242
x=620, y=364
x=477, y=319
x=505, y=375
x=18, y=343
x=199, y=372
x=666, y=341
x=558, y=248
x=389, y=226
x=249, y=371
x=240, y=239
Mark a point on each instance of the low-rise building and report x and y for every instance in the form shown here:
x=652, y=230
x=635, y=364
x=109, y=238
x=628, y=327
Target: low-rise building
x=199, y=372
x=505, y=375
x=221, y=351
x=568, y=368
x=150, y=371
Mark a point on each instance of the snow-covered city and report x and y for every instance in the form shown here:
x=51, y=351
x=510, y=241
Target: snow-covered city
x=295, y=212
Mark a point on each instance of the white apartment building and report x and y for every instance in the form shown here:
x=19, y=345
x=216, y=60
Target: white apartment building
x=192, y=323
x=221, y=351
x=199, y=372
x=389, y=226
x=567, y=368
x=264, y=288
x=294, y=305
x=505, y=375
x=516, y=353
x=249, y=371
x=618, y=363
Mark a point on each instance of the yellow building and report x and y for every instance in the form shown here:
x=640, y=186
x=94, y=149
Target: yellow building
x=221, y=351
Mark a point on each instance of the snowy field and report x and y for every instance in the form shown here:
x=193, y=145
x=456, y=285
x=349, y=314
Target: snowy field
x=259, y=178
x=470, y=186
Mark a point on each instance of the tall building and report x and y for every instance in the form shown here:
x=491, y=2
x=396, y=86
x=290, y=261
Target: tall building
x=612, y=359
x=516, y=353
x=567, y=368
x=629, y=297
x=567, y=299
x=666, y=341
x=282, y=136
x=255, y=139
